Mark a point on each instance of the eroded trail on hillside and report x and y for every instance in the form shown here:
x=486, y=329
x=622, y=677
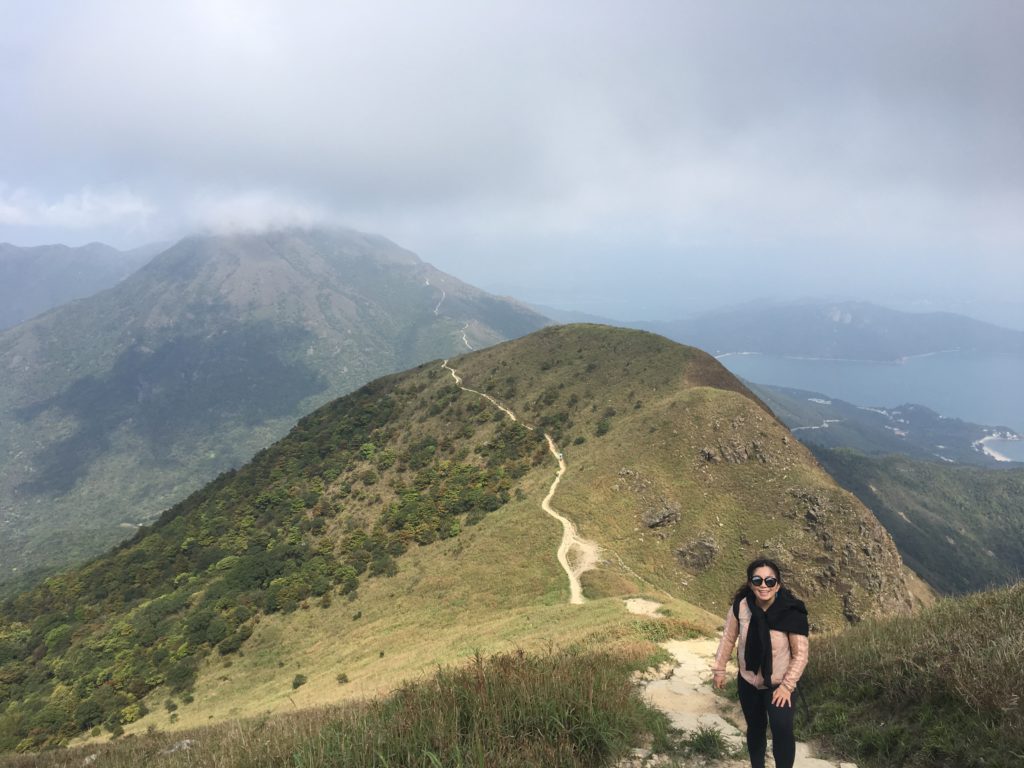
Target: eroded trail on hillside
x=584, y=553
x=686, y=697
x=465, y=340
x=575, y=554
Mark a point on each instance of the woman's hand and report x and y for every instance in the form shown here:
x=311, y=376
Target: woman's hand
x=781, y=697
x=719, y=680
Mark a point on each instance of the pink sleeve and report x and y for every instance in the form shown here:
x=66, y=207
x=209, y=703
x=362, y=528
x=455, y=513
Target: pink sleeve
x=727, y=643
x=798, y=649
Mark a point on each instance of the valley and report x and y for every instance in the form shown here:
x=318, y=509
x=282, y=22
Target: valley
x=35, y=280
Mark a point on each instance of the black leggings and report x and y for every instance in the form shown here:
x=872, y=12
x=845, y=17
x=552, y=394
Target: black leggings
x=759, y=711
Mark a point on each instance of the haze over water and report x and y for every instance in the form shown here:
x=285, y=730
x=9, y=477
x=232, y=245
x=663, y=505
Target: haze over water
x=984, y=389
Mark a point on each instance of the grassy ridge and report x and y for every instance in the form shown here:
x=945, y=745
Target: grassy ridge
x=937, y=689
x=676, y=469
x=575, y=707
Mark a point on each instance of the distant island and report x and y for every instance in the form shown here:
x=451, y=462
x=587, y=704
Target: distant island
x=838, y=331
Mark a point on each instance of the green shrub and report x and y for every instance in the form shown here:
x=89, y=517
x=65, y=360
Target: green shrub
x=708, y=742
x=298, y=681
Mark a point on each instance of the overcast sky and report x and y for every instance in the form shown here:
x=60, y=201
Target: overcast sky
x=632, y=159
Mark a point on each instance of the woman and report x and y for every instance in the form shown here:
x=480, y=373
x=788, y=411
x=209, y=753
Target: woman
x=771, y=625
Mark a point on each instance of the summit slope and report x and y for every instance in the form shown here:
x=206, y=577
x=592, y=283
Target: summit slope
x=681, y=474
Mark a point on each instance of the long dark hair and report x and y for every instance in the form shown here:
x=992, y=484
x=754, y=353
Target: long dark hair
x=761, y=562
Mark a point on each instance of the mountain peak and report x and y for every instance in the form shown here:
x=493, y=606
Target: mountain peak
x=202, y=357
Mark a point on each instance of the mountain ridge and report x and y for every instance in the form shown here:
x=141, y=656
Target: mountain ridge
x=419, y=504
x=39, y=278
x=116, y=405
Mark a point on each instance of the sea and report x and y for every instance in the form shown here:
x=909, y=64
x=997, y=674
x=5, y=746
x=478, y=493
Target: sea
x=984, y=389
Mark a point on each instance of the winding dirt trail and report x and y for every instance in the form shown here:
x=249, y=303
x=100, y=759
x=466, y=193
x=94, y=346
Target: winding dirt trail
x=576, y=555
x=464, y=339
x=585, y=553
x=495, y=403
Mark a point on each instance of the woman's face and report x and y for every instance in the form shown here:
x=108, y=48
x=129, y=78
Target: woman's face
x=762, y=591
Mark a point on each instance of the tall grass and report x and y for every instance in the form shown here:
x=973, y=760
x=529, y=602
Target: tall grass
x=940, y=688
x=565, y=709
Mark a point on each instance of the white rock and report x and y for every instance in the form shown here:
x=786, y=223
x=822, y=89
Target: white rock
x=179, y=746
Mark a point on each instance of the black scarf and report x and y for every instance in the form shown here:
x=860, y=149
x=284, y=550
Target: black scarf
x=785, y=614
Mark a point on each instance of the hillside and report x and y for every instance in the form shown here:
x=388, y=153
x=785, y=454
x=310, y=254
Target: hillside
x=909, y=429
x=114, y=407
x=960, y=528
x=401, y=527
x=932, y=690
x=36, y=279
x=840, y=330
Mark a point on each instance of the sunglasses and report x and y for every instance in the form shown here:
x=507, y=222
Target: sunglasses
x=771, y=581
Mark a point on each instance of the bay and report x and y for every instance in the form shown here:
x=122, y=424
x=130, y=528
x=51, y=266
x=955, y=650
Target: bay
x=984, y=389
x=1011, y=449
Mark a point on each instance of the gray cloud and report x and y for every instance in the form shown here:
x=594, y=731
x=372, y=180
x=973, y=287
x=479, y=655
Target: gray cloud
x=696, y=145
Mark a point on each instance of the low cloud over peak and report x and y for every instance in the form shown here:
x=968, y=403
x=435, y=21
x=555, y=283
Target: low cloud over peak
x=252, y=211
x=514, y=144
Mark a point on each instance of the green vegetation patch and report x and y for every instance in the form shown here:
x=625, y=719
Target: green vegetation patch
x=937, y=689
x=960, y=528
x=341, y=499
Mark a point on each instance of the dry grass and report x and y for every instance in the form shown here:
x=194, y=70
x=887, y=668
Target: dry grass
x=567, y=709
x=935, y=690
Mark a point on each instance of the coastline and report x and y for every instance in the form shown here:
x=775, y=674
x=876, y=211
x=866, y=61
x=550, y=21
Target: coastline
x=983, y=445
x=893, y=361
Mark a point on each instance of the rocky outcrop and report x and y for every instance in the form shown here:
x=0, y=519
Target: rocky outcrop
x=656, y=511
x=842, y=548
x=698, y=555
